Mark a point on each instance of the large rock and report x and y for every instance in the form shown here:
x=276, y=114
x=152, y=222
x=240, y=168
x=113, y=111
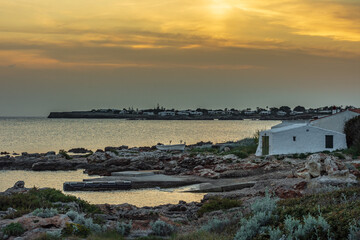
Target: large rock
x=30, y=222
x=313, y=165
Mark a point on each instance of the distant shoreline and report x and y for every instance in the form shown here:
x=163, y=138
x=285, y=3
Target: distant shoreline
x=100, y=115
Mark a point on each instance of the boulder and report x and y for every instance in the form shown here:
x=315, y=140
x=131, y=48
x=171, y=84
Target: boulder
x=208, y=173
x=313, y=165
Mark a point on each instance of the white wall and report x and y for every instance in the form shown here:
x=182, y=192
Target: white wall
x=306, y=141
x=335, y=122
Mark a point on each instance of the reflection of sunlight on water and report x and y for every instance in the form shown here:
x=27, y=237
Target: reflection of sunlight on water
x=140, y=198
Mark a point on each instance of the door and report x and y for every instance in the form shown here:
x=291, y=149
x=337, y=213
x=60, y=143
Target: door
x=265, y=145
x=329, y=141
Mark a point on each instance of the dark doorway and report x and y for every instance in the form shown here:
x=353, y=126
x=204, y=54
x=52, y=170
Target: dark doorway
x=329, y=141
x=265, y=145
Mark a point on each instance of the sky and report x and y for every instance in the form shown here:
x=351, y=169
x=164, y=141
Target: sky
x=83, y=54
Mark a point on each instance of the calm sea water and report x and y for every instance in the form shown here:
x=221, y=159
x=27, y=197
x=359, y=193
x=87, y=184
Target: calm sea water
x=43, y=134
x=140, y=198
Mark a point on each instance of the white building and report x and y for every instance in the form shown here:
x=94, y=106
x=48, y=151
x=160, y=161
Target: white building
x=166, y=113
x=299, y=138
x=323, y=134
x=280, y=113
x=264, y=112
x=336, y=122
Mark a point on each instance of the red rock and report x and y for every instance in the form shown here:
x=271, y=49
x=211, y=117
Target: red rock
x=300, y=186
x=287, y=193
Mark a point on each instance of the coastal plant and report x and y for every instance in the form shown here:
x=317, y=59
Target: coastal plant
x=218, y=203
x=45, y=212
x=53, y=235
x=352, y=131
x=72, y=214
x=13, y=229
x=88, y=223
x=123, y=228
x=262, y=210
x=275, y=234
x=161, y=228
x=310, y=228
x=216, y=225
x=76, y=230
x=64, y=154
x=354, y=231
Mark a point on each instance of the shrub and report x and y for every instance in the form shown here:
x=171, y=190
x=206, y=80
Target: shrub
x=262, y=212
x=88, y=223
x=44, y=198
x=123, y=228
x=216, y=225
x=56, y=234
x=65, y=154
x=161, y=228
x=45, y=212
x=354, y=231
x=310, y=228
x=72, y=214
x=241, y=154
x=13, y=229
x=339, y=155
x=217, y=203
x=352, y=131
x=76, y=229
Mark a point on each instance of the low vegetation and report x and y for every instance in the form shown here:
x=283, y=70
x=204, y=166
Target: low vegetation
x=217, y=203
x=13, y=229
x=37, y=199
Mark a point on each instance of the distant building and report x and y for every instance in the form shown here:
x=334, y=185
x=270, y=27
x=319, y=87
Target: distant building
x=183, y=113
x=281, y=113
x=249, y=112
x=265, y=112
x=166, y=113
x=148, y=113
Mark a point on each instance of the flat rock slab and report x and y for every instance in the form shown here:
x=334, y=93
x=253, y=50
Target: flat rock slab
x=222, y=187
x=151, y=181
x=132, y=174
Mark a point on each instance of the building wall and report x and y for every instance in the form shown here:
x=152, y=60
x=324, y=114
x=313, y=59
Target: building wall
x=309, y=141
x=335, y=122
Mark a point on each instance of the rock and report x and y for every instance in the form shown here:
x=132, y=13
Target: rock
x=330, y=164
x=18, y=187
x=30, y=222
x=97, y=157
x=208, y=173
x=287, y=193
x=50, y=153
x=313, y=165
x=221, y=168
x=79, y=150
x=227, y=149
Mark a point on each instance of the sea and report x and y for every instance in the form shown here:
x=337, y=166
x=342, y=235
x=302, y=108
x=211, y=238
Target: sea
x=39, y=135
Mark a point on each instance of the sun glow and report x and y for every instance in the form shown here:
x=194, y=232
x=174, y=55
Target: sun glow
x=219, y=7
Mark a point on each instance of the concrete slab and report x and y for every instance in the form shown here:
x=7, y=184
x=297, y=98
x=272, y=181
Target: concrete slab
x=221, y=187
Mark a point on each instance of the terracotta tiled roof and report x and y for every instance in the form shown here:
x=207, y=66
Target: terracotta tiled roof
x=357, y=110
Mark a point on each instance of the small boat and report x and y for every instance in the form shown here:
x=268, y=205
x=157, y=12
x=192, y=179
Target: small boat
x=174, y=147
x=97, y=186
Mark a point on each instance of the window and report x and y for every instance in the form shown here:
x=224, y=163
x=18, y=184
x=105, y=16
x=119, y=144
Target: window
x=329, y=141
x=294, y=138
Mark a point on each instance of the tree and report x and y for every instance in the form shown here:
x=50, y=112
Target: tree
x=352, y=132
x=285, y=109
x=299, y=109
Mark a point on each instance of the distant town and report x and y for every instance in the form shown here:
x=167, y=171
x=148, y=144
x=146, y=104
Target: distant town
x=161, y=113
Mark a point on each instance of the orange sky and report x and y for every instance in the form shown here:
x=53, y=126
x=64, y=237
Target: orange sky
x=275, y=44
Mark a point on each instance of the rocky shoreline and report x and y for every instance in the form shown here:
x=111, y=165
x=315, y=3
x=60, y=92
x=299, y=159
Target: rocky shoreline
x=224, y=174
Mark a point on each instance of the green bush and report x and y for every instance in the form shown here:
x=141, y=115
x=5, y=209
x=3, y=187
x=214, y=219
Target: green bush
x=123, y=228
x=241, y=154
x=45, y=212
x=44, y=198
x=352, y=131
x=216, y=225
x=65, y=154
x=339, y=209
x=76, y=230
x=13, y=229
x=161, y=228
x=217, y=203
x=339, y=155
